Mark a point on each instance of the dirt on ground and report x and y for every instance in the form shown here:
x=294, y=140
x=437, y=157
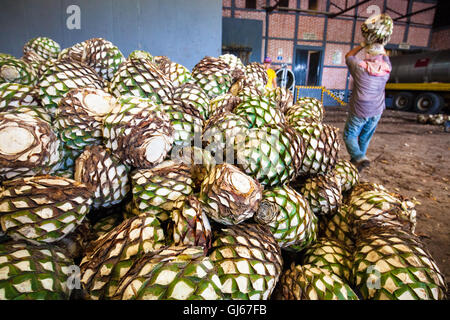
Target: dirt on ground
x=412, y=159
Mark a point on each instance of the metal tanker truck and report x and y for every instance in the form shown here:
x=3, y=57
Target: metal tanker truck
x=420, y=82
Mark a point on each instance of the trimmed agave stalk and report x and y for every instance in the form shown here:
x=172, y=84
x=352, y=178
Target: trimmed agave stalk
x=394, y=265
x=62, y=76
x=43, y=209
x=248, y=260
x=199, y=161
x=223, y=104
x=104, y=173
x=260, y=111
x=213, y=75
x=193, y=100
x=177, y=73
x=322, y=146
x=103, y=56
x=332, y=255
x=283, y=97
x=112, y=255
x=256, y=75
x=106, y=224
x=378, y=29
x=14, y=95
x=34, y=111
x=140, y=54
x=347, y=175
x=159, y=190
x=305, y=110
x=175, y=273
x=141, y=78
x=338, y=227
x=28, y=146
x=234, y=62
x=372, y=205
x=191, y=225
x=45, y=47
x=186, y=126
x=80, y=114
x=323, y=193
x=270, y=155
x=287, y=214
x=34, y=272
x=309, y=282
x=138, y=132
x=230, y=196
x=17, y=71
x=223, y=133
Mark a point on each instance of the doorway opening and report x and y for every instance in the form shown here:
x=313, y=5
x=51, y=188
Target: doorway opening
x=308, y=66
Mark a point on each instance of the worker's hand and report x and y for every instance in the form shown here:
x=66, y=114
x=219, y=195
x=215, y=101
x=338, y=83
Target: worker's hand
x=363, y=44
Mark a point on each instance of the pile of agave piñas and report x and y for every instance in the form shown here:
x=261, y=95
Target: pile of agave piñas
x=150, y=181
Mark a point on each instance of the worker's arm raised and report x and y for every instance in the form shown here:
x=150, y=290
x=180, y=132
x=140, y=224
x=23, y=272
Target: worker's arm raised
x=354, y=51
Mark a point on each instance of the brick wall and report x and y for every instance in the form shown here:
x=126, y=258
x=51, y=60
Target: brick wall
x=440, y=39
x=275, y=45
x=334, y=78
x=281, y=25
x=311, y=25
x=311, y=31
x=339, y=30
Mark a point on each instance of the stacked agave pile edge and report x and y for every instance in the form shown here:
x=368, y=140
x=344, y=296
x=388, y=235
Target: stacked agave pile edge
x=160, y=182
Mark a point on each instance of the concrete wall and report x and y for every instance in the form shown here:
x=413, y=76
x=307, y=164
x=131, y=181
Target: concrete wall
x=185, y=31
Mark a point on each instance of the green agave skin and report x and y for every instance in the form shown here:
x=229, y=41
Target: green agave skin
x=248, y=260
x=308, y=282
x=17, y=71
x=172, y=273
x=14, y=95
x=45, y=47
x=260, y=111
x=30, y=272
x=268, y=156
x=290, y=220
x=332, y=255
x=393, y=265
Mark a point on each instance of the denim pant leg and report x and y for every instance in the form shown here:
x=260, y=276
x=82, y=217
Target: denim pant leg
x=367, y=132
x=352, y=130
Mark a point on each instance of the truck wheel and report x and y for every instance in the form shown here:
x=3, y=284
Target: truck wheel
x=403, y=101
x=428, y=103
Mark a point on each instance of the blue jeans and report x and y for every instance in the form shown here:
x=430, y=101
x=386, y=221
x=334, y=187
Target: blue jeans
x=357, y=134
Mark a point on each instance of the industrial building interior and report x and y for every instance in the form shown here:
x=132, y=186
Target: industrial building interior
x=224, y=150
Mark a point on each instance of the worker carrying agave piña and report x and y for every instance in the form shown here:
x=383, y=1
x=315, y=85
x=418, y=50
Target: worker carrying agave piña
x=370, y=75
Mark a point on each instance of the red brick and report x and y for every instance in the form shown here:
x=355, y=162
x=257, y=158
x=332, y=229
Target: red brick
x=426, y=17
x=330, y=52
x=418, y=36
x=334, y=78
x=339, y=30
x=308, y=24
x=397, y=35
x=287, y=46
x=322, y=5
x=341, y=4
x=440, y=40
x=281, y=25
x=226, y=3
x=226, y=13
x=363, y=9
x=401, y=6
